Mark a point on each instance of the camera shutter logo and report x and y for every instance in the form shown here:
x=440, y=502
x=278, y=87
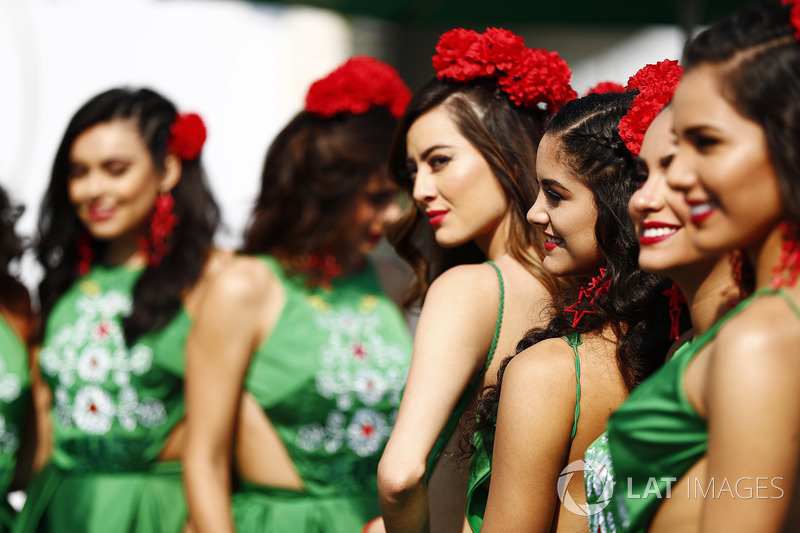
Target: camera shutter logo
x=597, y=472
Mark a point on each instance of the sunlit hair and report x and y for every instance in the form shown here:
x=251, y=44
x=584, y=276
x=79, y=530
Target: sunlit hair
x=157, y=295
x=757, y=62
x=507, y=136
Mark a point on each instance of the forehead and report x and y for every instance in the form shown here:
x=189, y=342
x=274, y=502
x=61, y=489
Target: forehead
x=433, y=127
x=659, y=138
x=699, y=100
x=551, y=161
x=108, y=138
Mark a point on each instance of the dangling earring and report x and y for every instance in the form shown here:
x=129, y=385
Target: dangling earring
x=788, y=267
x=737, y=260
x=676, y=301
x=85, y=252
x=155, y=246
x=323, y=268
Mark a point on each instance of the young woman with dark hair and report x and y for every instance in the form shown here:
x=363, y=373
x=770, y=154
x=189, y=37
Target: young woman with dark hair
x=17, y=322
x=553, y=398
x=125, y=239
x=299, y=356
x=466, y=151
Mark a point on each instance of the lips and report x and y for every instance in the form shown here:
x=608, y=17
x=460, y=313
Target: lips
x=653, y=232
x=551, y=242
x=700, y=211
x=101, y=214
x=435, y=217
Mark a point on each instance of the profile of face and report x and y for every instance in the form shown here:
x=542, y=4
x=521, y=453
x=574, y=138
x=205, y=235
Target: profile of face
x=113, y=183
x=566, y=213
x=722, y=166
x=374, y=210
x=453, y=184
x=659, y=213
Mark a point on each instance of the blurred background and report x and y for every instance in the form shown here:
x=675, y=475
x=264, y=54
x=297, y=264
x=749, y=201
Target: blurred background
x=245, y=66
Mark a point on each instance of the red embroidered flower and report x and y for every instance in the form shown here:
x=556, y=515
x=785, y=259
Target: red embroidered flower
x=539, y=76
x=356, y=86
x=794, y=16
x=187, y=136
x=606, y=87
x=656, y=84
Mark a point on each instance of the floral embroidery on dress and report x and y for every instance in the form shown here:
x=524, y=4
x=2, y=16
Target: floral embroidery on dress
x=359, y=369
x=599, y=479
x=89, y=357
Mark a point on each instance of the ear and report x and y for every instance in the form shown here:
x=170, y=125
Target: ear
x=173, y=170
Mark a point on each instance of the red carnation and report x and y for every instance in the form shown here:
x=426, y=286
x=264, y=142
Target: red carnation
x=461, y=55
x=794, y=16
x=504, y=49
x=606, y=87
x=187, y=136
x=356, y=86
x=540, y=76
x=656, y=85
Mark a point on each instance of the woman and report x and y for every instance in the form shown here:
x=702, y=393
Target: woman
x=556, y=394
x=736, y=120
x=466, y=150
x=125, y=239
x=299, y=356
x=16, y=327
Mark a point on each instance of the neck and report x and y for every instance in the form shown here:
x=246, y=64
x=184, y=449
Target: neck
x=708, y=295
x=765, y=255
x=123, y=251
x=493, y=244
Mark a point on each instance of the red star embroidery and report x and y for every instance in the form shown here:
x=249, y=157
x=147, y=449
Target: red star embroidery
x=367, y=430
x=102, y=331
x=579, y=313
x=359, y=351
x=92, y=408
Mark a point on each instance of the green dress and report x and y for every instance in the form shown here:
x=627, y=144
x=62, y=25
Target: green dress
x=329, y=379
x=652, y=440
x=15, y=406
x=113, y=410
x=480, y=464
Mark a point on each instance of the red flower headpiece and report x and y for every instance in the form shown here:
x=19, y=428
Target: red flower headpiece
x=606, y=87
x=356, y=86
x=529, y=76
x=656, y=85
x=795, y=16
x=187, y=136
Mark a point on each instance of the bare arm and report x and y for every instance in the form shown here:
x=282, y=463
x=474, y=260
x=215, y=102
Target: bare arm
x=534, y=421
x=753, y=421
x=224, y=335
x=452, y=341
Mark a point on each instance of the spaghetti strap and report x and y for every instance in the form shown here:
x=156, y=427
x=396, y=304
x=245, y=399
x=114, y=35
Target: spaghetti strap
x=789, y=301
x=574, y=340
x=499, y=322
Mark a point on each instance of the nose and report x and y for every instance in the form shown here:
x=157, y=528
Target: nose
x=537, y=214
x=424, y=187
x=649, y=197
x=680, y=174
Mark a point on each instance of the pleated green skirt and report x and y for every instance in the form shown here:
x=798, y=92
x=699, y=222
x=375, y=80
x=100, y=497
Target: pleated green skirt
x=152, y=501
x=258, y=509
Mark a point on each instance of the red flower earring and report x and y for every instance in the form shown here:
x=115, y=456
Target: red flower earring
x=156, y=245
x=788, y=267
x=85, y=252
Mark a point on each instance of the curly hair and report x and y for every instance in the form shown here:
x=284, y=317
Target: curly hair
x=157, y=294
x=757, y=61
x=507, y=137
x=634, y=306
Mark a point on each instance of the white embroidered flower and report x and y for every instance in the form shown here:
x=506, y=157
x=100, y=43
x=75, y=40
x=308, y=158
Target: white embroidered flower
x=9, y=436
x=367, y=432
x=94, y=364
x=93, y=410
x=9, y=387
x=141, y=359
x=369, y=385
x=310, y=437
x=151, y=413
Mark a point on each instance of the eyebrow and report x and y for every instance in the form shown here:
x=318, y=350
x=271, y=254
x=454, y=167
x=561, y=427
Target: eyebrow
x=427, y=152
x=551, y=183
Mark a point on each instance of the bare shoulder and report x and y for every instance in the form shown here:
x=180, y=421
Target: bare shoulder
x=242, y=280
x=767, y=326
x=467, y=281
x=550, y=363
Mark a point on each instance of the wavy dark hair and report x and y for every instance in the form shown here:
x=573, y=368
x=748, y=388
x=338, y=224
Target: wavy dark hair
x=313, y=173
x=157, y=295
x=507, y=137
x=12, y=247
x=757, y=61
x=634, y=306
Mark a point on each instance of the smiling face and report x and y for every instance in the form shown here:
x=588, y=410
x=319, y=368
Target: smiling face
x=659, y=213
x=112, y=181
x=722, y=166
x=453, y=184
x=565, y=211
x=375, y=208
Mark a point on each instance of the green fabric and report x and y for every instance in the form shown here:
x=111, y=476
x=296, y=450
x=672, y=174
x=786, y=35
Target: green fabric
x=655, y=435
x=15, y=405
x=150, y=501
x=114, y=407
x=329, y=379
x=472, y=387
x=480, y=464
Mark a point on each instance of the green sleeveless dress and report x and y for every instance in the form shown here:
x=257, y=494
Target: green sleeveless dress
x=329, y=379
x=472, y=387
x=652, y=440
x=480, y=464
x=15, y=406
x=113, y=410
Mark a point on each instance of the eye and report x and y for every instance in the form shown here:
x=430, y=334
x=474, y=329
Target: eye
x=381, y=199
x=76, y=171
x=116, y=168
x=438, y=161
x=704, y=142
x=552, y=195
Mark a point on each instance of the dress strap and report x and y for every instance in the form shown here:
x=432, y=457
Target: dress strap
x=574, y=340
x=789, y=301
x=499, y=322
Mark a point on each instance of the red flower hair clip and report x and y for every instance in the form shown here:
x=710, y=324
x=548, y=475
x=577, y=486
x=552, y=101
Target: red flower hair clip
x=529, y=76
x=794, y=16
x=187, y=136
x=656, y=85
x=605, y=87
x=357, y=86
